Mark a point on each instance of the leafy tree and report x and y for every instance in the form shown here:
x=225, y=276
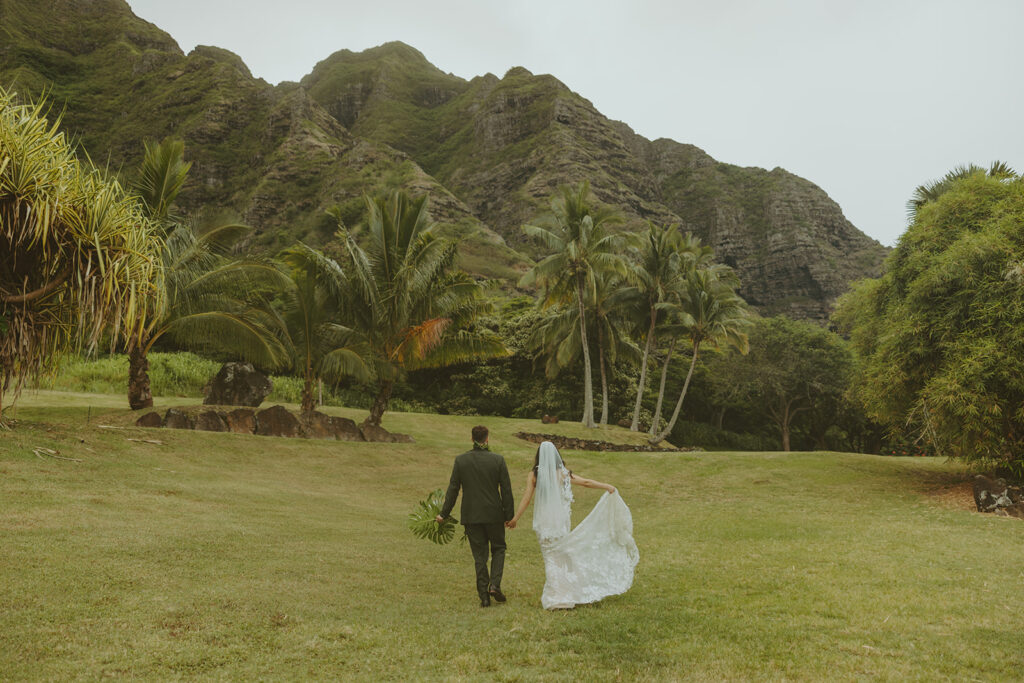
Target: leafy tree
x=712, y=314
x=577, y=233
x=405, y=303
x=79, y=254
x=935, y=189
x=940, y=333
x=203, y=303
x=792, y=368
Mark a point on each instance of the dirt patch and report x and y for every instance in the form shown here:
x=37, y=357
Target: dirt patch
x=957, y=495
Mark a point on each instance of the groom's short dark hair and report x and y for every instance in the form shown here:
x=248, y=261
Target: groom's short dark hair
x=480, y=433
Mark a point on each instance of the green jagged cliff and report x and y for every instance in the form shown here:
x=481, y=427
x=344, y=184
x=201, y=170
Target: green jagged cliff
x=490, y=151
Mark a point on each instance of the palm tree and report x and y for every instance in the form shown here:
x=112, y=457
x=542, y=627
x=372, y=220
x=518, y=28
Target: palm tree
x=203, y=295
x=577, y=235
x=935, y=189
x=79, y=255
x=658, y=268
x=306, y=321
x=692, y=255
x=406, y=305
x=558, y=334
x=712, y=314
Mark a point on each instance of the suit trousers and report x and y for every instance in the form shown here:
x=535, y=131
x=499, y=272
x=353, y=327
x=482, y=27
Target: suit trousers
x=480, y=537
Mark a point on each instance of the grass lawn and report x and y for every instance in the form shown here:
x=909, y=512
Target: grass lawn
x=241, y=557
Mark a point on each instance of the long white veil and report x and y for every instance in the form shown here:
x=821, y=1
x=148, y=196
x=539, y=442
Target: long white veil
x=551, y=512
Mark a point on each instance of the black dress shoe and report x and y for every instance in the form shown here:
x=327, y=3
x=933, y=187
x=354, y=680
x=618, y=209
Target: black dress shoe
x=485, y=601
x=497, y=594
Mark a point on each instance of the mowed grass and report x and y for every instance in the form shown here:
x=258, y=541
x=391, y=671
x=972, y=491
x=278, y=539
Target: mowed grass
x=241, y=557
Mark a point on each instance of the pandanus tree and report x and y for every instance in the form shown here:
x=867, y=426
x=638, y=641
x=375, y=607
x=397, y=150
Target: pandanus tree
x=405, y=303
x=577, y=234
x=203, y=302
x=78, y=253
x=711, y=314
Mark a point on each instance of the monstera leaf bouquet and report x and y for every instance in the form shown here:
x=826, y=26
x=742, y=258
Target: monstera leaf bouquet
x=423, y=520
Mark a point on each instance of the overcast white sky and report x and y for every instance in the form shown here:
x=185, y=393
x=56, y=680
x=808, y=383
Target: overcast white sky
x=865, y=98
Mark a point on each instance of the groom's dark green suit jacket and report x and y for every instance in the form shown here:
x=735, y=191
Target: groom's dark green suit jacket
x=486, y=488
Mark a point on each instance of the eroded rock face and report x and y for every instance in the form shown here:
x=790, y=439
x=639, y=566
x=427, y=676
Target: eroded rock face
x=277, y=421
x=496, y=150
x=237, y=384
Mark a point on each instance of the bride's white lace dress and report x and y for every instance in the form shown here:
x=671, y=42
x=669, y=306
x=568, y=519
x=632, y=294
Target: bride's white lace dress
x=592, y=561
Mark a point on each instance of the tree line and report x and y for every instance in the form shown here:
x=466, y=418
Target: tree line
x=384, y=310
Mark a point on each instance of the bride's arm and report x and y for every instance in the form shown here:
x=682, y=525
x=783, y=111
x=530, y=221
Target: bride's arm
x=591, y=484
x=531, y=482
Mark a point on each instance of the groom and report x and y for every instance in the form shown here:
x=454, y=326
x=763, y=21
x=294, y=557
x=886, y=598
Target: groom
x=486, y=506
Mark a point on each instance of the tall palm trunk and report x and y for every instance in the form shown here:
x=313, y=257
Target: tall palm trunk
x=139, y=393
x=588, y=383
x=642, y=384
x=380, y=403
x=308, y=403
x=656, y=418
x=604, y=378
x=679, y=404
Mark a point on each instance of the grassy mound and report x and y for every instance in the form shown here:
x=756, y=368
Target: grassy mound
x=226, y=556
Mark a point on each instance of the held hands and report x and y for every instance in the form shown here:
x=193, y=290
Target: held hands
x=511, y=524
x=439, y=519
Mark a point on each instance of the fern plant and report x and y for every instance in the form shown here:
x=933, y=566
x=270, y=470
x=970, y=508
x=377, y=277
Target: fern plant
x=423, y=520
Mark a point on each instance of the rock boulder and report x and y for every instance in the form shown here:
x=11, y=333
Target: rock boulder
x=178, y=419
x=237, y=384
x=380, y=435
x=241, y=421
x=150, y=420
x=211, y=421
x=277, y=421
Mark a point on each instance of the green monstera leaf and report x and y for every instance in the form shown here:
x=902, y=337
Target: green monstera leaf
x=423, y=522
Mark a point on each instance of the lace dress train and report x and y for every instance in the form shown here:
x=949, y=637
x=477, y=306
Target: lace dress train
x=594, y=560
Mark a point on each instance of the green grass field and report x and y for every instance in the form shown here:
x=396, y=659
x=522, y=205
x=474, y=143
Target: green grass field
x=219, y=556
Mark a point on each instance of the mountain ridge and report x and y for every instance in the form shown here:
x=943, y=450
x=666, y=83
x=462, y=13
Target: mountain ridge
x=490, y=151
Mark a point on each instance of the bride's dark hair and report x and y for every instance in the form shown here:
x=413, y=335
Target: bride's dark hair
x=536, y=462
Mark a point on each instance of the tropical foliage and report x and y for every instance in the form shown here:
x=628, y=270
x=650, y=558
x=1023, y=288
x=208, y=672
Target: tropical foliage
x=711, y=314
x=941, y=333
x=204, y=293
x=405, y=304
x=423, y=520
x=582, y=248
x=79, y=252
x=305, y=320
x=792, y=368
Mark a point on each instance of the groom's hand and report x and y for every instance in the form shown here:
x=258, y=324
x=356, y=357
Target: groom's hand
x=511, y=524
x=439, y=519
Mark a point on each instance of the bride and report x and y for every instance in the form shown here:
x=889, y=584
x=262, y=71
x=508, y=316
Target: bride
x=590, y=562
